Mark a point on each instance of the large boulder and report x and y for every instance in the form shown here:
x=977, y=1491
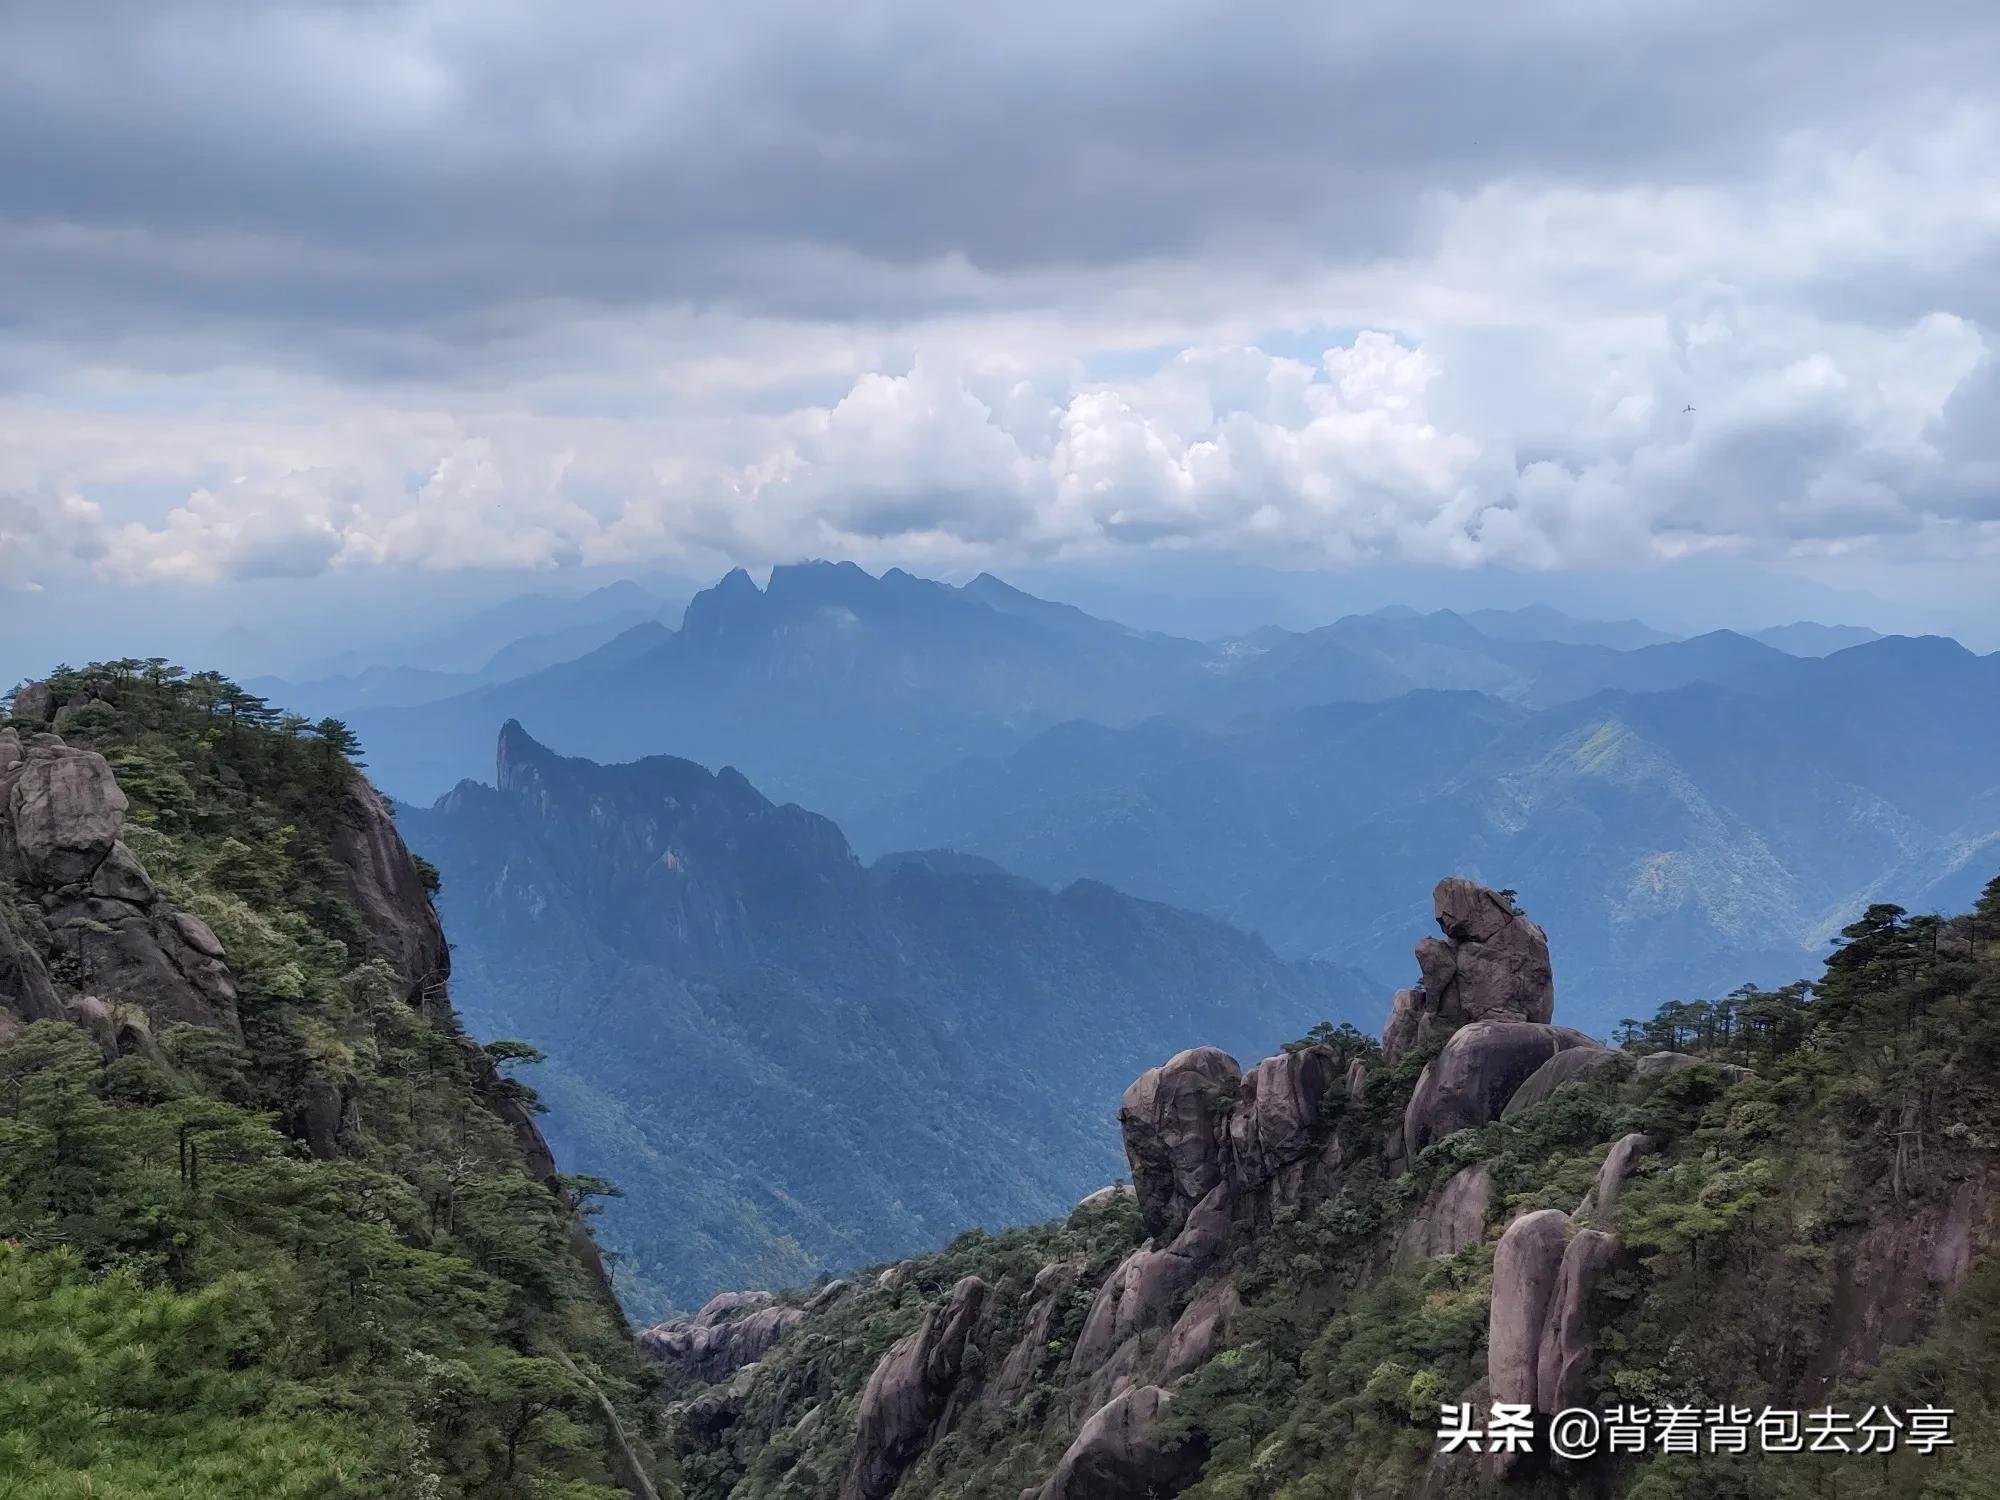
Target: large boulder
x=139, y=952
x=733, y=1329
x=1454, y=1217
x=1357, y=1081
x=1564, y=1068
x=1172, y=1118
x=1409, y=1017
x=329, y=1118
x=1492, y=962
x=1527, y=1267
x=1569, y=1333
x=66, y=810
x=33, y=703
x=59, y=840
x=1144, y=1288
x=909, y=1398
x=1275, y=1120
x=381, y=879
x=1116, y=1457
x=118, y=1030
x=1471, y=1080
x=1104, y=1197
x=1657, y=1065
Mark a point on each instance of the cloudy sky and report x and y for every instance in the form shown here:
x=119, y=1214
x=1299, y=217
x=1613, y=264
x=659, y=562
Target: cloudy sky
x=303, y=298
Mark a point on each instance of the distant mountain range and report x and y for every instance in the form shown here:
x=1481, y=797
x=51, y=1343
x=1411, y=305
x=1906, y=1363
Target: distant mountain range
x=1676, y=841
x=1808, y=638
x=1685, y=813
x=536, y=631
x=838, y=688
x=792, y=1061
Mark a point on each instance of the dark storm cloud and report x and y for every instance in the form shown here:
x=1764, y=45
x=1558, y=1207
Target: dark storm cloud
x=431, y=177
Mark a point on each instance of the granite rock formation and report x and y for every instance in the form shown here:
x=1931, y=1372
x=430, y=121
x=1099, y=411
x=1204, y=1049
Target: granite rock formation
x=380, y=877
x=1453, y=1217
x=1566, y=1067
x=910, y=1396
x=61, y=814
x=1172, y=1118
x=1471, y=1080
x=1116, y=1456
x=1491, y=963
x=732, y=1329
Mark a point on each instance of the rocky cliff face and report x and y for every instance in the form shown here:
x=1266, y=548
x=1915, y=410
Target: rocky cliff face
x=1086, y=1356
x=90, y=907
x=91, y=939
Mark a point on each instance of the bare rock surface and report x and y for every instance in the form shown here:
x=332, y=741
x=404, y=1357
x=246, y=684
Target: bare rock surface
x=1564, y=1068
x=329, y=1119
x=1664, y=1064
x=1199, y=1331
x=1171, y=1117
x=732, y=1329
x=1490, y=963
x=378, y=874
x=1569, y=1333
x=1143, y=1289
x=1527, y=1266
x=26, y=992
x=1471, y=1080
x=1454, y=1217
x=66, y=810
x=1024, y=1361
x=1602, y=1200
x=118, y=1030
x=908, y=1398
x=59, y=823
x=1273, y=1123
x=1408, y=1018
x=1106, y=1195
x=34, y=702
x=1116, y=1457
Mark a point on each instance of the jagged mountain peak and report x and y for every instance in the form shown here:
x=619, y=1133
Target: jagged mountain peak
x=669, y=784
x=729, y=967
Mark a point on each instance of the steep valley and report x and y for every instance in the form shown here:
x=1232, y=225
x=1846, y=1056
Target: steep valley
x=793, y=1062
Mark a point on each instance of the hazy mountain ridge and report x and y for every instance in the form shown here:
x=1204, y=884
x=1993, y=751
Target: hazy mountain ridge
x=790, y=1060
x=838, y=688
x=1678, y=842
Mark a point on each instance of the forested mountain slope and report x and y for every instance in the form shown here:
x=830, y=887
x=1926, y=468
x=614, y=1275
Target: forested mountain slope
x=794, y=1062
x=271, y=1225
x=1780, y=1198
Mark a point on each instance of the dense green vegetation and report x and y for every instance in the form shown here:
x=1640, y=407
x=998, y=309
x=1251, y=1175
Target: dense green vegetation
x=190, y=1303
x=1780, y=1243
